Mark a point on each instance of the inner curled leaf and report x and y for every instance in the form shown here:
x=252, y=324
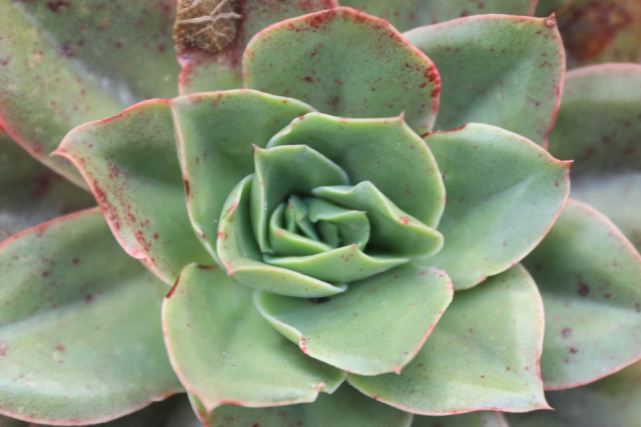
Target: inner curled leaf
x=208, y=25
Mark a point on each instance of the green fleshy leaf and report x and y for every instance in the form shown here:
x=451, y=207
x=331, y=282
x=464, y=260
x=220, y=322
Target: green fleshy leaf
x=301, y=217
x=203, y=71
x=505, y=71
x=410, y=14
x=597, y=32
x=216, y=134
x=474, y=419
x=173, y=412
x=342, y=265
x=599, y=126
x=284, y=242
x=130, y=164
x=353, y=226
x=377, y=74
x=241, y=256
x=57, y=311
x=352, y=332
x=610, y=402
x=67, y=63
x=483, y=354
x=504, y=193
x=344, y=408
x=393, y=231
x=384, y=151
x=588, y=274
x=282, y=171
x=32, y=193
x=225, y=352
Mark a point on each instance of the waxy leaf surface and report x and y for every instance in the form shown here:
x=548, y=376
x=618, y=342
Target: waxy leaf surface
x=217, y=133
x=610, y=402
x=504, y=193
x=281, y=171
x=172, y=412
x=79, y=326
x=344, y=408
x=385, y=152
x=599, y=126
x=204, y=71
x=410, y=14
x=483, y=354
x=376, y=326
x=505, y=71
x=377, y=74
x=393, y=231
x=241, y=257
x=131, y=166
x=225, y=352
x=588, y=274
x=31, y=193
x=473, y=419
x=64, y=63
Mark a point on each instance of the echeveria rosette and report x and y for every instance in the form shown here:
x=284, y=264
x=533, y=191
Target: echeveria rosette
x=131, y=164
x=334, y=221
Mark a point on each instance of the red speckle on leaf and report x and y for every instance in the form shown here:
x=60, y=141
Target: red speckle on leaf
x=156, y=236
x=567, y=333
x=60, y=347
x=140, y=238
x=573, y=350
x=187, y=191
x=55, y=6
x=403, y=219
x=583, y=289
x=88, y=299
x=75, y=261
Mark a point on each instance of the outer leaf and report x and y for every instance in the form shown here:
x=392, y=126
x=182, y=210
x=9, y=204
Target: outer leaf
x=377, y=326
x=384, y=151
x=588, y=274
x=344, y=408
x=130, y=164
x=599, y=126
x=30, y=192
x=57, y=310
x=241, y=257
x=224, y=352
x=377, y=74
x=610, y=402
x=417, y=13
x=216, y=135
x=483, y=354
x=504, y=194
x=204, y=71
x=64, y=63
x=173, y=412
x=501, y=70
x=597, y=31
x=474, y=419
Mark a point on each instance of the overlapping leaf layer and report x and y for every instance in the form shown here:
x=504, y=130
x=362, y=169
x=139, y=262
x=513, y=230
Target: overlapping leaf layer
x=313, y=224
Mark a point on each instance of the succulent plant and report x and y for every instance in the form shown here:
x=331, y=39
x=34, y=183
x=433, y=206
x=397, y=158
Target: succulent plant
x=359, y=227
